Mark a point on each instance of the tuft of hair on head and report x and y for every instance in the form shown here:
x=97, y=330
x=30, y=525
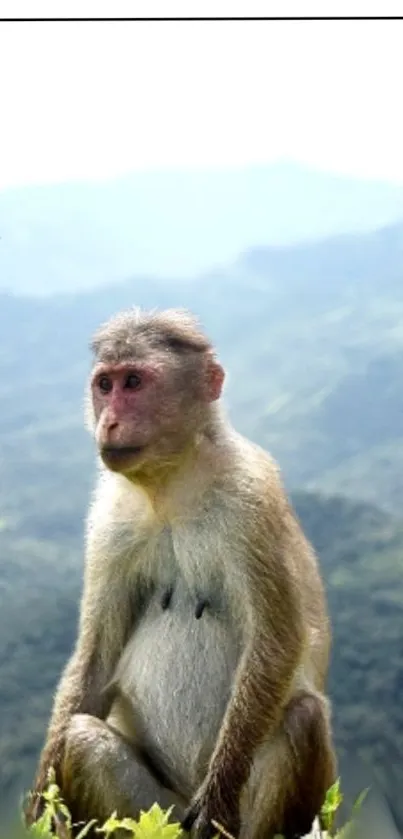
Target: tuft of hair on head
x=134, y=331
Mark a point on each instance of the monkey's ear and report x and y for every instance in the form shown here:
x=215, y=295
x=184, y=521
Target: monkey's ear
x=215, y=380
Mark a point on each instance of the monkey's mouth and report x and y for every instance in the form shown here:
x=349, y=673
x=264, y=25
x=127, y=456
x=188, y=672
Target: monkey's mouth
x=116, y=457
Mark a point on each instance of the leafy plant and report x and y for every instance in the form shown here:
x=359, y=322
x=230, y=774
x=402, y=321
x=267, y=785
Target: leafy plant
x=155, y=824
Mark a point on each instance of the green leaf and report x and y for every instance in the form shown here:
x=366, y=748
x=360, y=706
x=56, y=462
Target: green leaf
x=154, y=824
x=331, y=804
x=86, y=829
x=360, y=800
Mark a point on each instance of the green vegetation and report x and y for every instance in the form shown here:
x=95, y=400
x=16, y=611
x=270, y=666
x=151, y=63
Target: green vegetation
x=157, y=823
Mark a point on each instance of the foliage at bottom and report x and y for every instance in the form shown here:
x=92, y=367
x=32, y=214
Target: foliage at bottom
x=155, y=824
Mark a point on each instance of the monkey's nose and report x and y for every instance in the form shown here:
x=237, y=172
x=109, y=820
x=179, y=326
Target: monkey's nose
x=108, y=433
x=111, y=420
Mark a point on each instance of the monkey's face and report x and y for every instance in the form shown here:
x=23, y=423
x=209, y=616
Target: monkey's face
x=145, y=411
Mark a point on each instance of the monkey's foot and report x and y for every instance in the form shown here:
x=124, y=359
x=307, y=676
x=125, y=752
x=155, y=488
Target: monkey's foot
x=206, y=809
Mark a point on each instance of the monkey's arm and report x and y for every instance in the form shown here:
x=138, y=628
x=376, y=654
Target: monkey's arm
x=83, y=688
x=274, y=640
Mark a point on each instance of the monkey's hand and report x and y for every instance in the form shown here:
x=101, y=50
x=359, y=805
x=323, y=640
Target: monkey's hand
x=213, y=802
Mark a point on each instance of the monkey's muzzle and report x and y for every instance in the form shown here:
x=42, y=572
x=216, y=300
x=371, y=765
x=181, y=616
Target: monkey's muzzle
x=117, y=457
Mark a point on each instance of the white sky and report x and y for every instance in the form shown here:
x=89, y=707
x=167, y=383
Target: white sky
x=83, y=100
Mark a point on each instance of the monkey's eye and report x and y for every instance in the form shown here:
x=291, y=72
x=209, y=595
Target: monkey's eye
x=104, y=384
x=132, y=381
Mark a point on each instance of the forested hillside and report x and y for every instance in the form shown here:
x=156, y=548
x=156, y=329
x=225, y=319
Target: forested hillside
x=312, y=337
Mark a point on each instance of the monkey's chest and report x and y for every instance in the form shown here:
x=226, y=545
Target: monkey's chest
x=178, y=668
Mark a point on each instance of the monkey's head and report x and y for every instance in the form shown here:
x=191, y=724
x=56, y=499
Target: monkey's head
x=153, y=381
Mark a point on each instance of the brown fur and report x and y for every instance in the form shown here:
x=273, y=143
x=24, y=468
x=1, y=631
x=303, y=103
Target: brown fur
x=197, y=512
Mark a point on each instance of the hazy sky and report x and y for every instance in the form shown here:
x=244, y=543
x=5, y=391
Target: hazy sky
x=82, y=100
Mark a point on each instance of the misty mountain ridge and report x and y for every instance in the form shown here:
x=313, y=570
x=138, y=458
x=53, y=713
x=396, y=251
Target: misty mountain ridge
x=176, y=223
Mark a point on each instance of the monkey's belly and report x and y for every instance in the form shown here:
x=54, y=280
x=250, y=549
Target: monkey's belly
x=177, y=671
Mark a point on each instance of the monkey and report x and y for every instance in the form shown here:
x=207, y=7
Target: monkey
x=198, y=679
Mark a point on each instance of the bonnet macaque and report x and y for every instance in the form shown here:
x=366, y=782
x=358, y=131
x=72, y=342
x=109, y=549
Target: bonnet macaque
x=198, y=675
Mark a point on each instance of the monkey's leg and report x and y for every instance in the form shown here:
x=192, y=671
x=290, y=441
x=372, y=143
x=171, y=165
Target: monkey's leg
x=102, y=773
x=292, y=773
